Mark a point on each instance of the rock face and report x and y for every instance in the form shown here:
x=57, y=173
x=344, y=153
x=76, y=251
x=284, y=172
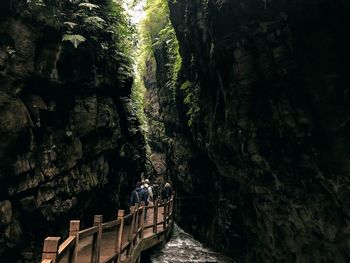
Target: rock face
x=160, y=110
x=156, y=127
x=260, y=144
x=70, y=143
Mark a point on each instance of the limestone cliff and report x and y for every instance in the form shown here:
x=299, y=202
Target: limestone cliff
x=156, y=137
x=260, y=144
x=70, y=143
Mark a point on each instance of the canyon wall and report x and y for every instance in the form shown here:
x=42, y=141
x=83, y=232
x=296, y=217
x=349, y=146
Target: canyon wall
x=258, y=141
x=70, y=142
x=156, y=136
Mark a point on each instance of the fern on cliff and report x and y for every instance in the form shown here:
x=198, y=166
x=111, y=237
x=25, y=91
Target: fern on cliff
x=75, y=39
x=95, y=22
x=89, y=6
x=191, y=100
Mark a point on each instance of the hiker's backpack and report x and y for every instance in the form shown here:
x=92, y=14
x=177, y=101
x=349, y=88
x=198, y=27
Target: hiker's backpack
x=155, y=189
x=144, y=195
x=140, y=194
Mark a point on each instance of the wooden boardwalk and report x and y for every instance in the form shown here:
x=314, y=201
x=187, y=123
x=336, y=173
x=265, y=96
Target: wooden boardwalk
x=121, y=240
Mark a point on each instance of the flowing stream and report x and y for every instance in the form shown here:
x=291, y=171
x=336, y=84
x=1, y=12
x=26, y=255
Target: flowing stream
x=182, y=247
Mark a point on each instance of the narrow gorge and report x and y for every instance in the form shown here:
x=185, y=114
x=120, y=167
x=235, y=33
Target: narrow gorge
x=240, y=104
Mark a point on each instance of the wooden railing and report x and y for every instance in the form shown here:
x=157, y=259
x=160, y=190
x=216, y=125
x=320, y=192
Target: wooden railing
x=130, y=230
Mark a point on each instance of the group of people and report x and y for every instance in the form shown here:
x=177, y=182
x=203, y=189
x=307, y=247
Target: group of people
x=146, y=192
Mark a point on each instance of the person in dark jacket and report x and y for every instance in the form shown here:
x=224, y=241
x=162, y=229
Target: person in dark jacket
x=167, y=192
x=136, y=195
x=156, y=191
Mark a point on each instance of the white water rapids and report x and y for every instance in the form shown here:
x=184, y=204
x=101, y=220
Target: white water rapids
x=183, y=248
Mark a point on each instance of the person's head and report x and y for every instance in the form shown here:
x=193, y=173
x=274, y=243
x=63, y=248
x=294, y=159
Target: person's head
x=167, y=185
x=147, y=181
x=138, y=184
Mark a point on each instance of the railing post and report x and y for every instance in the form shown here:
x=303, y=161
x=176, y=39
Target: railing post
x=168, y=212
x=136, y=226
x=137, y=223
x=50, y=250
x=155, y=217
x=120, y=229
x=142, y=218
x=96, y=240
x=171, y=213
x=164, y=213
x=131, y=230
x=74, y=228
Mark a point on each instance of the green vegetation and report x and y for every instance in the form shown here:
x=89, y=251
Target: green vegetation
x=75, y=39
x=191, y=100
x=104, y=24
x=88, y=20
x=124, y=31
x=138, y=97
x=157, y=32
x=108, y=25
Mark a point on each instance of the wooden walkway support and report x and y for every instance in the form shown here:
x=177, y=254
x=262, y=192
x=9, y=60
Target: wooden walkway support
x=119, y=241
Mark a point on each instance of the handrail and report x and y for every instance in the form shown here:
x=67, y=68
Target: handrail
x=126, y=218
x=111, y=224
x=131, y=227
x=111, y=259
x=88, y=232
x=125, y=247
x=66, y=245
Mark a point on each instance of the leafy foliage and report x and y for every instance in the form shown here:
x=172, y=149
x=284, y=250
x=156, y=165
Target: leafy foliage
x=157, y=19
x=76, y=39
x=95, y=22
x=99, y=27
x=138, y=97
x=89, y=6
x=94, y=19
x=120, y=25
x=71, y=25
x=191, y=101
x=157, y=31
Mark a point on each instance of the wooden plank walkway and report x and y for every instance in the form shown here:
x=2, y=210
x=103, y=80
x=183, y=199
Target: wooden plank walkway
x=121, y=240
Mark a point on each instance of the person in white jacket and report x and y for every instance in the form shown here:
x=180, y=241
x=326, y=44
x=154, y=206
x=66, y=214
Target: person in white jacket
x=149, y=188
